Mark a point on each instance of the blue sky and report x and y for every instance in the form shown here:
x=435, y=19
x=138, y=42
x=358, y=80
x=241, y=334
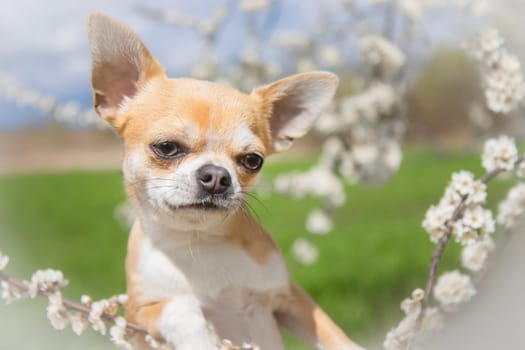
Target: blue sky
x=44, y=44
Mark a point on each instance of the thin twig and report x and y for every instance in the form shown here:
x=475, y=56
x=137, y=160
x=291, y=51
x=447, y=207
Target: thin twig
x=438, y=252
x=68, y=304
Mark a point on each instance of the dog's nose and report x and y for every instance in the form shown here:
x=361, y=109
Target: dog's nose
x=214, y=179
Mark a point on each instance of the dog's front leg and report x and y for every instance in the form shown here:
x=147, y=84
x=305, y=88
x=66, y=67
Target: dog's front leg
x=307, y=321
x=183, y=325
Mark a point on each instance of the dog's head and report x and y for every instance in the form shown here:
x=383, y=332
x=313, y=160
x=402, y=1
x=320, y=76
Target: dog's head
x=193, y=147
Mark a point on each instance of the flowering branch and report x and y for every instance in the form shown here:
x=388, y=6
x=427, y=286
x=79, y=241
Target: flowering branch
x=23, y=287
x=70, y=112
x=442, y=243
x=460, y=214
x=61, y=312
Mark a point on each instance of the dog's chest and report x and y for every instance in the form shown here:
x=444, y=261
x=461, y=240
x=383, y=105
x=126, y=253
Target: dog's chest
x=206, y=269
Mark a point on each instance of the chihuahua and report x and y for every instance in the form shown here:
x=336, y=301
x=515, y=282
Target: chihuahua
x=199, y=268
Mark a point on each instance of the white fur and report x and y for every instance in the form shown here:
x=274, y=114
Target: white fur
x=243, y=137
x=205, y=265
x=184, y=327
x=196, y=271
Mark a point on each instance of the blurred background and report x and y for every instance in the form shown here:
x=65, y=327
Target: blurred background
x=415, y=103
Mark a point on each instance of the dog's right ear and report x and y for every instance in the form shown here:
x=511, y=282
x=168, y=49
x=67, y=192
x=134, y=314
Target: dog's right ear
x=120, y=65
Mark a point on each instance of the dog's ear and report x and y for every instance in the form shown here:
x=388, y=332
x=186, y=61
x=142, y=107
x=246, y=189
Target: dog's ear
x=294, y=104
x=120, y=65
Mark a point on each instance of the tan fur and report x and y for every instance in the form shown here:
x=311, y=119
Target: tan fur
x=132, y=92
x=306, y=320
x=249, y=235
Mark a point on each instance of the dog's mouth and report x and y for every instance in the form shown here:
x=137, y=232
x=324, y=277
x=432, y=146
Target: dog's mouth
x=207, y=206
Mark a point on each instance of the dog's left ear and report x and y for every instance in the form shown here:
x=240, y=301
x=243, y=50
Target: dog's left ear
x=295, y=103
x=120, y=65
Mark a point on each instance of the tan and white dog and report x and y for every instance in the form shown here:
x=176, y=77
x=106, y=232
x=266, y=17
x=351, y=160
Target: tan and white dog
x=199, y=267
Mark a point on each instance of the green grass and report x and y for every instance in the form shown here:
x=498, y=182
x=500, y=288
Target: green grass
x=375, y=256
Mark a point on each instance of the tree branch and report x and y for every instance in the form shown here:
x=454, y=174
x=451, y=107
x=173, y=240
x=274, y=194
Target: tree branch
x=68, y=304
x=443, y=241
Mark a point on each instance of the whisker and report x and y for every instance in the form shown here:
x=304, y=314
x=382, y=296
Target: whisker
x=255, y=198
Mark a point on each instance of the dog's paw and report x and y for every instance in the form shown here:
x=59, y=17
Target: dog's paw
x=200, y=343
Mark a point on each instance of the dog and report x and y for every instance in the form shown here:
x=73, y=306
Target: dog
x=199, y=267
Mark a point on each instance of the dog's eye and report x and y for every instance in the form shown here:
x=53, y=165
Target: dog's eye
x=251, y=161
x=167, y=149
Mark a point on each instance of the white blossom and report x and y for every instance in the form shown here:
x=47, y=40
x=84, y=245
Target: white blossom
x=432, y=319
x=500, y=153
x=399, y=337
x=330, y=55
x=227, y=344
x=254, y=5
x=450, y=200
x=249, y=346
x=86, y=300
x=122, y=299
x=463, y=233
x=378, y=51
x=124, y=214
x=78, y=322
x=304, y=251
x=328, y=123
x=435, y=222
x=501, y=72
x=118, y=334
x=474, y=255
x=463, y=182
x=9, y=293
x=478, y=194
x=348, y=168
x=365, y=153
x=504, y=85
x=476, y=223
x=520, y=170
x=332, y=149
x=46, y=281
x=319, y=222
x=56, y=312
x=348, y=112
x=98, y=308
x=452, y=289
x=4, y=260
x=391, y=154
x=412, y=9
x=318, y=181
x=511, y=209
x=371, y=151
x=489, y=224
x=412, y=306
x=474, y=217
x=487, y=46
x=372, y=103
x=478, y=7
